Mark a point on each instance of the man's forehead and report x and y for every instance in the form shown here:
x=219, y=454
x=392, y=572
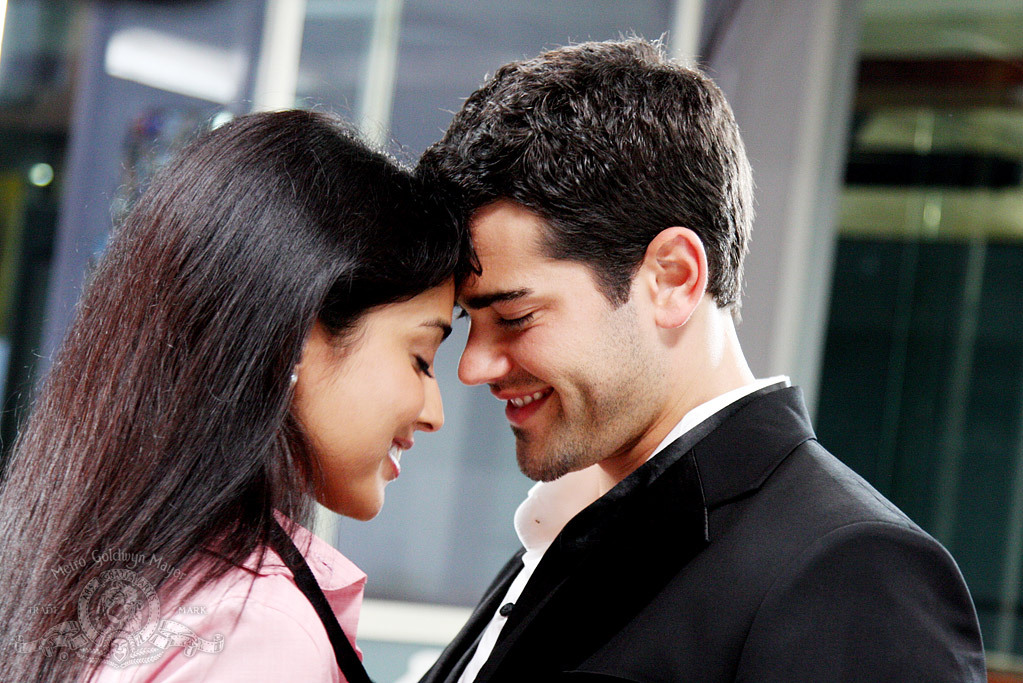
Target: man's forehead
x=507, y=243
x=505, y=275
x=502, y=223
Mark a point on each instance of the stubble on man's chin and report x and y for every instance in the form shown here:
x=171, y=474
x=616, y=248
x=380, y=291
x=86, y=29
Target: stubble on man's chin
x=542, y=466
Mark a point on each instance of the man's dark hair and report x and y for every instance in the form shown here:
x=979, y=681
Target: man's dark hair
x=609, y=143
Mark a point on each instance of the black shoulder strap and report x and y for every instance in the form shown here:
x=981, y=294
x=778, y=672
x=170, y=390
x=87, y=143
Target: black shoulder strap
x=347, y=659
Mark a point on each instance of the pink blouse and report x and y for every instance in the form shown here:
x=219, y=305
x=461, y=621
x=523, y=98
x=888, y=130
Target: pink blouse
x=242, y=628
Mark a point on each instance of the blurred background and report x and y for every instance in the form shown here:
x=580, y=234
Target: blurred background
x=885, y=277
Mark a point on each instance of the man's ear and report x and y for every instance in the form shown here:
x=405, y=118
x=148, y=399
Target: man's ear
x=676, y=267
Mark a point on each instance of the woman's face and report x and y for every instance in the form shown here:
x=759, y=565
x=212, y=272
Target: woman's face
x=361, y=403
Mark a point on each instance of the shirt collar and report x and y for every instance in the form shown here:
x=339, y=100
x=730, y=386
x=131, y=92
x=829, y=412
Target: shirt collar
x=550, y=505
x=705, y=410
x=332, y=570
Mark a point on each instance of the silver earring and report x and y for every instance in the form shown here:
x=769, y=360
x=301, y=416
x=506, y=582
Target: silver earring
x=294, y=378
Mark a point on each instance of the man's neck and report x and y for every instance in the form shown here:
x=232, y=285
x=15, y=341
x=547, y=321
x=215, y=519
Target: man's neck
x=709, y=364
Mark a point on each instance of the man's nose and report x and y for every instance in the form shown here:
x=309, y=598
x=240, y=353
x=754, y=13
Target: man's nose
x=484, y=361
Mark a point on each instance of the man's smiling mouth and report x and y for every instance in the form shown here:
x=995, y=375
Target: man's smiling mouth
x=526, y=400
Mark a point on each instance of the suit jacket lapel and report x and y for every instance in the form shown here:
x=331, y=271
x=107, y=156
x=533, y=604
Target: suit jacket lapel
x=585, y=592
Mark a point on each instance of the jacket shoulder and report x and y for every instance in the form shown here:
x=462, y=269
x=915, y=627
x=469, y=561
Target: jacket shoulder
x=869, y=600
x=814, y=568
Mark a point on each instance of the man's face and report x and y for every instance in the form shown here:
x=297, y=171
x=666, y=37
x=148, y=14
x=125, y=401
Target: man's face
x=580, y=377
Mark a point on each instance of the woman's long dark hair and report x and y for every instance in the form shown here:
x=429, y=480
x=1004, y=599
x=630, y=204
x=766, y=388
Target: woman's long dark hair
x=163, y=428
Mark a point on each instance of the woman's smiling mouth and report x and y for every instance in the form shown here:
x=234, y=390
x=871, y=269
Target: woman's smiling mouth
x=394, y=454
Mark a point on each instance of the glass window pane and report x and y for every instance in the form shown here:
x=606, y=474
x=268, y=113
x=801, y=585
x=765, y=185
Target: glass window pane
x=922, y=383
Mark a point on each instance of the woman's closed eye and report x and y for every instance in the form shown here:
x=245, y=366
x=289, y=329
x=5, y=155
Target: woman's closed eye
x=423, y=366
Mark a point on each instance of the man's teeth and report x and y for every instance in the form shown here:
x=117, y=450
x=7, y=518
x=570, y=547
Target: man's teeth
x=526, y=400
x=394, y=453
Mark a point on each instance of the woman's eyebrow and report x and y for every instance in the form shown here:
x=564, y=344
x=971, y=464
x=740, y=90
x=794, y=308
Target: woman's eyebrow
x=439, y=324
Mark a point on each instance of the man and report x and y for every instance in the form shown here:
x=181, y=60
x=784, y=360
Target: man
x=688, y=526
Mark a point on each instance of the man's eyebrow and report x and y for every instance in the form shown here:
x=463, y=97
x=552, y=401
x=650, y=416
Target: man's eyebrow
x=483, y=300
x=439, y=324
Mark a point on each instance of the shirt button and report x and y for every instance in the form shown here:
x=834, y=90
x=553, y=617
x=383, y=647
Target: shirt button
x=506, y=609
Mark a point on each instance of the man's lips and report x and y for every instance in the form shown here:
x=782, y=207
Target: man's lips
x=521, y=406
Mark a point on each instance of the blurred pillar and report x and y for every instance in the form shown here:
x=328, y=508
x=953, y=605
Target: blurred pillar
x=686, y=27
x=277, y=68
x=787, y=68
x=377, y=94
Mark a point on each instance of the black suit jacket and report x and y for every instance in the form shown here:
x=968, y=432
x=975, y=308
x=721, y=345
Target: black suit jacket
x=743, y=552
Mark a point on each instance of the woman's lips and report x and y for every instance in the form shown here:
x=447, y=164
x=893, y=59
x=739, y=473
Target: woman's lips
x=394, y=455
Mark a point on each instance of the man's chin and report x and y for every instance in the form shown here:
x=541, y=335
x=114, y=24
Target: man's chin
x=541, y=466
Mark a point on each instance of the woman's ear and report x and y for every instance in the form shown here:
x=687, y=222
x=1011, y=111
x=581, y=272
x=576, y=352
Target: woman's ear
x=676, y=265
x=315, y=351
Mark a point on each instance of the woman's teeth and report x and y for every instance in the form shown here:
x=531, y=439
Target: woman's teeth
x=526, y=400
x=394, y=453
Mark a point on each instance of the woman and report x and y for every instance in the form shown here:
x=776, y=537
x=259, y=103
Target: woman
x=259, y=335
